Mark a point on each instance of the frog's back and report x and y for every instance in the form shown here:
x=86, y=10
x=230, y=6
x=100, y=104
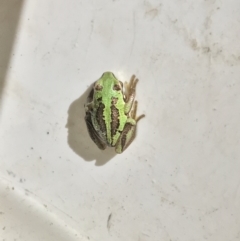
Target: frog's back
x=109, y=116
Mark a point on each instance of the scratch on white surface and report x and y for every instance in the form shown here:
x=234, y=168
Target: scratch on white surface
x=46, y=56
x=109, y=221
x=134, y=32
x=165, y=230
x=48, y=204
x=89, y=37
x=75, y=41
x=145, y=234
x=60, y=198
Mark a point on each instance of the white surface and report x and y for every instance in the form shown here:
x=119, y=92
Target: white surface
x=179, y=180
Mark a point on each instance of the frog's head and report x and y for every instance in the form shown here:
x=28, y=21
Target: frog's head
x=108, y=81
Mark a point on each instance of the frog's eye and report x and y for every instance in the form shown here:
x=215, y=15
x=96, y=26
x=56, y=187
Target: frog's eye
x=117, y=87
x=98, y=87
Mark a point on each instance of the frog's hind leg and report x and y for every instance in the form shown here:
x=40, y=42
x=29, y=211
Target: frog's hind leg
x=129, y=132
x=134, y=112
x=130, y=92
x=93, y=133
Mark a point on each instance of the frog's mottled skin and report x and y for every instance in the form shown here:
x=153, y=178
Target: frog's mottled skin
x=111, y=114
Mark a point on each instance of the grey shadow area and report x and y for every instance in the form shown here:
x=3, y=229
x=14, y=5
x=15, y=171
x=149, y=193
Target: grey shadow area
x=10, y=11
x=78, y=137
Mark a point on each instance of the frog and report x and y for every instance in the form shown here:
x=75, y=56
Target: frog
x=111, y=112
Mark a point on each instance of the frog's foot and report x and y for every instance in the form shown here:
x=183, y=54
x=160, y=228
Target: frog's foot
x=130, y=92
x=129, y=132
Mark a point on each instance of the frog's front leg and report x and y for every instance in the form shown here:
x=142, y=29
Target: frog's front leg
x=129, y=131
x=93, y=133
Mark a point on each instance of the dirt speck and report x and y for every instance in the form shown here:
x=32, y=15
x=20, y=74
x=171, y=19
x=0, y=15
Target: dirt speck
x=194, y=44
x=206, y=49
x=152, y=13
x=10, y=173
x=22, y=180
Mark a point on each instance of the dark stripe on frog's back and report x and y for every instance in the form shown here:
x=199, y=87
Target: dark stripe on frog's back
x=100, y=118
x=115, y=117
x=118, y=125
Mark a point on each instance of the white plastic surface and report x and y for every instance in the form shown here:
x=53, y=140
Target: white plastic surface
x=179, y=180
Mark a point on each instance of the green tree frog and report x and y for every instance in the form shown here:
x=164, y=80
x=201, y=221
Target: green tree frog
x=111, y=112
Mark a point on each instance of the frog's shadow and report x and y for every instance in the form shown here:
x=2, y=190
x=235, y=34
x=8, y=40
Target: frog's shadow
x=78, y=137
